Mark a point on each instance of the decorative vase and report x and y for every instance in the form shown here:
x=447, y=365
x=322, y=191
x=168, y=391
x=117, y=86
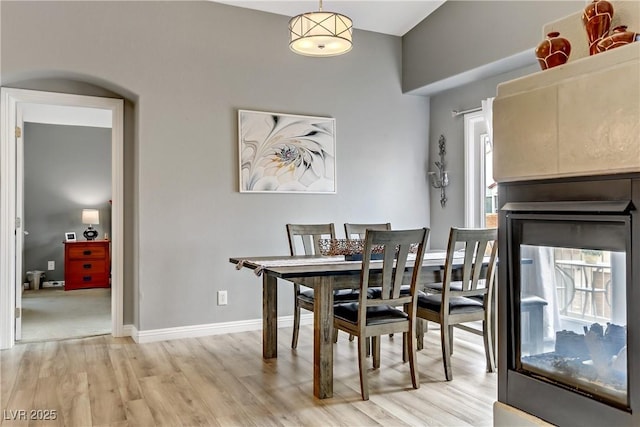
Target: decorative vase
x=597, y=18
x=618, y=37
x=553, y=51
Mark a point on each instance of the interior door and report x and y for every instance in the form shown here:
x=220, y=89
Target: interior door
x=19, y=219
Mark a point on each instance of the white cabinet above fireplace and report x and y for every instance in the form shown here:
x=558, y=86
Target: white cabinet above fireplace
x=578, y=119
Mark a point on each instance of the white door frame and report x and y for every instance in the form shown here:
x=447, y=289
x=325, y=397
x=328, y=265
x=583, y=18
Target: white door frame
x=474, y=126
x=9, y=100
x=19, y=243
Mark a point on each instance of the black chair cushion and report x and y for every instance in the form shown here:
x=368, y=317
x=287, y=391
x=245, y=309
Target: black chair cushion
x=478, y=298
x=455, y=286
x=456, y=304
x=375, y=315
x=306, y=295
x=339, y=295
x=376, y=292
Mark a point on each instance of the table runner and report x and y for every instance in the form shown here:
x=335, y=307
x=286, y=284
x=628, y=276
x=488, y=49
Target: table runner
x=286, y=262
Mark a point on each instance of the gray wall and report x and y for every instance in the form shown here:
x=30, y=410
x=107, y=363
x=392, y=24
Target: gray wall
x=188, y=67
x=465, y=35
x=66, y=169
x=442, y=123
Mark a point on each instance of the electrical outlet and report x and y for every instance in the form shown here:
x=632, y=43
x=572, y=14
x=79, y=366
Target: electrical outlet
x=222, y=297
x=51, y=265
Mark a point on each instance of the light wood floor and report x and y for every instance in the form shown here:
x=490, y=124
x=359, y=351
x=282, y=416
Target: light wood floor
x=223, y=380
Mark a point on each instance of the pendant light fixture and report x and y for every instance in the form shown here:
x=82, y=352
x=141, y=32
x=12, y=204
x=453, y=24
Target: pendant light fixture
x=320, y=33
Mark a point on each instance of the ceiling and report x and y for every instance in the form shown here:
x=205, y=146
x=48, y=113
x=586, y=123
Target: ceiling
x=394, y=17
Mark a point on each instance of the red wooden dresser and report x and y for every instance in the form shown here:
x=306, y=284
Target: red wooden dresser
x=86, y=264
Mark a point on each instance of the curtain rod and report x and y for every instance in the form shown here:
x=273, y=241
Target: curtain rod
x=456, y=113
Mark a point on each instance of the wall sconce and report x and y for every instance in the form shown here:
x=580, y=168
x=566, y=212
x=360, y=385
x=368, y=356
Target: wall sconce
x=440, y=179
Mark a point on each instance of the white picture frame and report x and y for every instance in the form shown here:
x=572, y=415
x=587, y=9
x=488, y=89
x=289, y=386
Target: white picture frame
x=70, y=236
x=286, y=153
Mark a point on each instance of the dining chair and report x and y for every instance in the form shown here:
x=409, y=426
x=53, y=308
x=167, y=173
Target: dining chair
x=304, y=239
x=375, y=315
x=469, y=299
x=359, y=230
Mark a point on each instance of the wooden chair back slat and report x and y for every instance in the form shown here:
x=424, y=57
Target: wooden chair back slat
x=360, y=230
x=474, y=269
x=396, y=246
x=310, y=234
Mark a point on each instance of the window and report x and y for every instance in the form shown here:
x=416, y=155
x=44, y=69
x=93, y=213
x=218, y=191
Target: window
x=481, y=191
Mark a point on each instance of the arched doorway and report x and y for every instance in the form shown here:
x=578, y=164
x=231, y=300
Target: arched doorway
x=13, y=102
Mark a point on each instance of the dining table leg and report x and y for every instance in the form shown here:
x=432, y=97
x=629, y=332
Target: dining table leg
x=269, y=316
x=323, y=338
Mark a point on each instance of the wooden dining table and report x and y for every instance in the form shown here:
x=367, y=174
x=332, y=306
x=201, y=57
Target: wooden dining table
x=324, y=275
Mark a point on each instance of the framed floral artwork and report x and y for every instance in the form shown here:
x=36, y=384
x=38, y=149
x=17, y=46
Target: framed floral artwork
x=285, y=153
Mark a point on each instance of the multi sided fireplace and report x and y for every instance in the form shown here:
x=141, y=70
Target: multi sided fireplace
x=567, y=300
x=566, y=157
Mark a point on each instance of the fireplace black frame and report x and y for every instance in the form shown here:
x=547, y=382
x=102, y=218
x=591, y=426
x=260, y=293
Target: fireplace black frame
x=551, y=402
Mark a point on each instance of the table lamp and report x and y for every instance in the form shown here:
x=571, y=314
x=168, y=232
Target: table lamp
x=90, y=216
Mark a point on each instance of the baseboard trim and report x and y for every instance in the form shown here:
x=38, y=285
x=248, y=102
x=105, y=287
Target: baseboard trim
x=204, y=330
x=129, y=331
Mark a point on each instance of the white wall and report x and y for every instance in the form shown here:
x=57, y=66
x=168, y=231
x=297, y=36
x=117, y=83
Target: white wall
x=188, y=67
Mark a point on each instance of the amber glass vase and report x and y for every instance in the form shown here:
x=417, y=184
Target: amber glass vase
x=553, y=51
x=619, y=37
x=597, y=18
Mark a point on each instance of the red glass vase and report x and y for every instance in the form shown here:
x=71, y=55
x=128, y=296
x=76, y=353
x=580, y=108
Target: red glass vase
x=618, y=37
x=597, y=18
x=553, y=51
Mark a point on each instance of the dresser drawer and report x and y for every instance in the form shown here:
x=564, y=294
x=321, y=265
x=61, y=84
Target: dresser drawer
x=88, y=279
x=87, y=266
x=87, y=252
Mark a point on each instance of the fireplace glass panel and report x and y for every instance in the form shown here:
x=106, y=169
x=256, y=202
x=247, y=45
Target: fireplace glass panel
x=573, y=319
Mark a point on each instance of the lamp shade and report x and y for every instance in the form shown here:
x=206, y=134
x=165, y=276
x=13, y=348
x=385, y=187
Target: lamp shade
x=320, y=34
x=90, y=216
